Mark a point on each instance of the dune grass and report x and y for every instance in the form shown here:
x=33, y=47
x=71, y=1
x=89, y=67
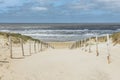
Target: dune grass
x=16, y=37
x=116, y=38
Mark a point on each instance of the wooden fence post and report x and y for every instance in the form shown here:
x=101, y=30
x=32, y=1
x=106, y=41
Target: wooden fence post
x=85, y=45
x=35, y=46
x=97, y=46
x=75, y=44
x=10, y=47
x=47, y=45
x=38, y=46
x=30, y=48
x=21, y=42
x=41, y=47
x=108, y=49
x=81, y=44
x=89, y=45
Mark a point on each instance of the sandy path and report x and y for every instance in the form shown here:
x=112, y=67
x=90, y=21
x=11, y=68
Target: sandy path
x=62, y=64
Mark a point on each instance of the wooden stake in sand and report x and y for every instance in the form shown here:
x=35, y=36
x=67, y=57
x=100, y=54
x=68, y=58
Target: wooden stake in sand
x=30, y=48
x=35, y=46
x=85, y=41
x=38, y=46
x=108, y=49
x=82, y=42
x=21, y=42
x=47, y=46
x=89, y=45
x=41, y=47
x=76, y=45
x=10, y=46
x=97, y=46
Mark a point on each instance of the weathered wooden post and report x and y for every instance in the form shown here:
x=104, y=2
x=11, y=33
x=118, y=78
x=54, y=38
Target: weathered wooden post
x=47, y=45
x=84, y=45
x=38, y=46
x=85, y=41
x=76, y=44
x=41, y=47
x=72, y=45
x=89, y=45
x=97, y=46
x=30, y=48
x=80, y=43
x=10, y=47
x=108, y=49
x=21, y=42
x=35, y=46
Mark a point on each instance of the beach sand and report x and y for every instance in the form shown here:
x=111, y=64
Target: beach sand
x=61, y=45
x=62, y=63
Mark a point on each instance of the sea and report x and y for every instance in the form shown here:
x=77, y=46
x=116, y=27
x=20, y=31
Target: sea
x=61, y=32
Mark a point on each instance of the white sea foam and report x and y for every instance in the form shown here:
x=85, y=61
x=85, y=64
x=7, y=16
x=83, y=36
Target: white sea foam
x=51, y=35
x=4, y=30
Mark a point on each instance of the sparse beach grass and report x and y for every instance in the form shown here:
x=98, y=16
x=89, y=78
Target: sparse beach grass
x=116, y=38
x=17, y=36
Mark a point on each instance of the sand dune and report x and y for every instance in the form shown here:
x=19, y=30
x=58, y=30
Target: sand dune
x=64, y=64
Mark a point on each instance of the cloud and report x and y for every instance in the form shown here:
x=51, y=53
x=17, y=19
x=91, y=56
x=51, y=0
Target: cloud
x=113, y=2
x=113, y=5
x=81, y=6
x=39, y=8
x=63, y=10
x=8, y=5
x=102, y=6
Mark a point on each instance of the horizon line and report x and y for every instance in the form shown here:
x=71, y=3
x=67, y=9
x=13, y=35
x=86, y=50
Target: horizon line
x=60, y=23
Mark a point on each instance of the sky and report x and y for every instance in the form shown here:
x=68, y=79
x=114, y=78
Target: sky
x=59, y=11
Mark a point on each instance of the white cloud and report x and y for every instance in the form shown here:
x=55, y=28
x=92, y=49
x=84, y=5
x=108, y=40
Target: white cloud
x=110, y=4
x=45, y=1
x=81, y=5
x=39, y=8
x=109, y=1
x=10, y=3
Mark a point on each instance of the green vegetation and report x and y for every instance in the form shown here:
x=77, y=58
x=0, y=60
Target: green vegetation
x=16, y=37
x=116, y=38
